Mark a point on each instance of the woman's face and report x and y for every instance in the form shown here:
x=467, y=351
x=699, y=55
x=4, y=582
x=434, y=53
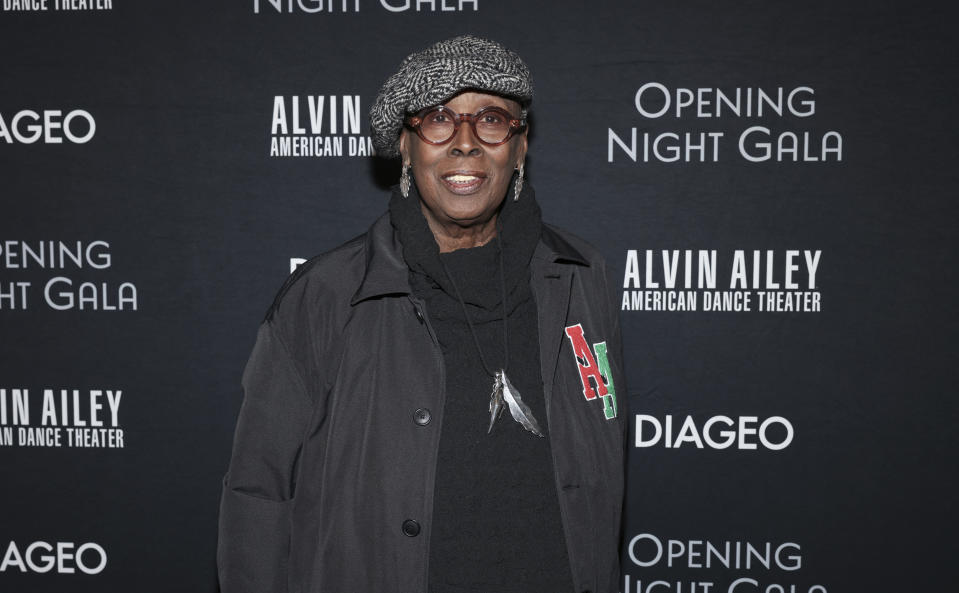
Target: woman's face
x=464, y=181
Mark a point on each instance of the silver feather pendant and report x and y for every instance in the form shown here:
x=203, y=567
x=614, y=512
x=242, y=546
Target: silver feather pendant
x=506, y=395
x=496, y=402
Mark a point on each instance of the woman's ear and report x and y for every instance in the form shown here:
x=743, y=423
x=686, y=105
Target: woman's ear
x=523, y=145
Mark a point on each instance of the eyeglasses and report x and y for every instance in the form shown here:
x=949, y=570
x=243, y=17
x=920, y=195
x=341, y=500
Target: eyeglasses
x=491, y=125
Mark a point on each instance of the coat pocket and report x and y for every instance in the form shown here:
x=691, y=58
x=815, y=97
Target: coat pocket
x=253, y=548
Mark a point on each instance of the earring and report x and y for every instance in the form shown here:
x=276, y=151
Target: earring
x=405, y=181
x=518, y=186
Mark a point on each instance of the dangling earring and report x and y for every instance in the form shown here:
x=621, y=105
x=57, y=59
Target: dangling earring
x=405, y=181
x=518, y=186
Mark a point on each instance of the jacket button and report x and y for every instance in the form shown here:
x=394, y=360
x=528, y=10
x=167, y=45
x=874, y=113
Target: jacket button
x=422, y=417
x=419, y=314
x=411, y=528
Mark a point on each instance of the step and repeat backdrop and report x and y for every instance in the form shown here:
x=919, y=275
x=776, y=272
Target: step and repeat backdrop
x=774, y=185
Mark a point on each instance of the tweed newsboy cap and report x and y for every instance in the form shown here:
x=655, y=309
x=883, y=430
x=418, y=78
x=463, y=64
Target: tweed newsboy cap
x=440, y=71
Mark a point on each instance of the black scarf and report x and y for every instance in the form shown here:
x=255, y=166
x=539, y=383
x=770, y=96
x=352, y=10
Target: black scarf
x=519, y=227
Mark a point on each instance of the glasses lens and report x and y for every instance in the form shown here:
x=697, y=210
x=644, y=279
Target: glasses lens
x=492, y=126
x=437, y=125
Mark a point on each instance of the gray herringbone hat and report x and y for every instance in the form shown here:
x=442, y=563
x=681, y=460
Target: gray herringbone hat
x=440, y=71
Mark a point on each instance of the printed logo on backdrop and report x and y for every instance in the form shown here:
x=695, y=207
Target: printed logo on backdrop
x=789, y=136
x=49, y=126
x=76, y=418
x=745, y=433
x=56, y=5
x=746, y=567
x=339, y=6
x=318, y=126
x=54, y=557
x=71, y=282
x=740, y=281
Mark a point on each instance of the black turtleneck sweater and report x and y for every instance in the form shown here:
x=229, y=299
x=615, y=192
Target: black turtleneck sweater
x=496, y=524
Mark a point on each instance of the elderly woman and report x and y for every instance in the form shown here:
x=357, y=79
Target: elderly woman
x=432, y=406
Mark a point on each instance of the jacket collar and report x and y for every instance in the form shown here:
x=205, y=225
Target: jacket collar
x=387, y=273
x=554, y=248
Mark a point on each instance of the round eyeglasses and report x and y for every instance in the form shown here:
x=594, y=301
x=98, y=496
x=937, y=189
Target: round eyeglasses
x=491, y=125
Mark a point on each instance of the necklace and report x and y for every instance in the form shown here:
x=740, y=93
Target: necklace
x=504, y=393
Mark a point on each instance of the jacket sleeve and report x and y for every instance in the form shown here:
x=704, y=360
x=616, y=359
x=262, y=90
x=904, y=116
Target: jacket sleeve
x=258, y=490
x=622, y=402
x=616, y=351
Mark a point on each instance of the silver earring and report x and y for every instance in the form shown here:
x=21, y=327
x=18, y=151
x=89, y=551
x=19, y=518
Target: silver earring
x=518, y=186
x=405, y=181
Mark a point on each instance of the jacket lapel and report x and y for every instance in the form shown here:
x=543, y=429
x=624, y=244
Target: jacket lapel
x=551, y=284
x=551, y=276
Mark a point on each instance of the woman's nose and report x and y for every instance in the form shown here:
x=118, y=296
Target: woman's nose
x=465, y=141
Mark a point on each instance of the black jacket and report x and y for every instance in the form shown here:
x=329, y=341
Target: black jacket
x=330, y=486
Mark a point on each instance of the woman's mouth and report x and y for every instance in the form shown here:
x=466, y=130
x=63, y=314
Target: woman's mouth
x=464, y=183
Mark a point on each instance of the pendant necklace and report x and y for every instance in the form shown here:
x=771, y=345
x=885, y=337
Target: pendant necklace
x=504, y=393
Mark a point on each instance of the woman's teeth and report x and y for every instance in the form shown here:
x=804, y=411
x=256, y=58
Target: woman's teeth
x=462, y=178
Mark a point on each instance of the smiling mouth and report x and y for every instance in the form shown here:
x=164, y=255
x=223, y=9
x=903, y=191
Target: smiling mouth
x=464, y=183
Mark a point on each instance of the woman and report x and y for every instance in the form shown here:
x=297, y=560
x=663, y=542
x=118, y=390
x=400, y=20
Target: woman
x=372, y=452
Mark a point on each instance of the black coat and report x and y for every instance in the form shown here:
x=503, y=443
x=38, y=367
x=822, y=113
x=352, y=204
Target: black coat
x=330, y=486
